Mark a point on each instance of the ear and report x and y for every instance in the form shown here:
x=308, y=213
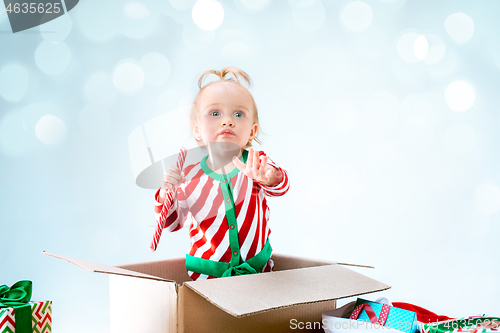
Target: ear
x=196, y=132
x=253, y=131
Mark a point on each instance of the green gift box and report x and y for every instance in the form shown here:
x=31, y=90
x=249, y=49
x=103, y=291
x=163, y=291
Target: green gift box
x=19, y=315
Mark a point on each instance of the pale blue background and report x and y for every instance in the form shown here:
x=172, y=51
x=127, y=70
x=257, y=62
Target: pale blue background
x=399, y=180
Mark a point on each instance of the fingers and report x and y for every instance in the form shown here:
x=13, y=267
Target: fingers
x=263, y=165
x=173, y=177
x=256, y=161
x=255, y=167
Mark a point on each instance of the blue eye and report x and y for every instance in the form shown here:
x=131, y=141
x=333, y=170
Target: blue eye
x=215, y=113
x=238, y=114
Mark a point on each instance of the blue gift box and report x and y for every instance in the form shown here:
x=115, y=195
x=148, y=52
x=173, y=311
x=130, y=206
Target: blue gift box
x=399, y=319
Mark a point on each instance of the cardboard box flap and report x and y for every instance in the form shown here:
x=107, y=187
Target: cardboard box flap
x=100, y=268
x=284, y=262
x=250, y=294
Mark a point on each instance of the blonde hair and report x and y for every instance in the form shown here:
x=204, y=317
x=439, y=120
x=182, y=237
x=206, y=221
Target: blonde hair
x=237, y=73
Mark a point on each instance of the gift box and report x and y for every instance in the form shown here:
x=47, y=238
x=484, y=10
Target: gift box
x=385, y=315
x=19, y=315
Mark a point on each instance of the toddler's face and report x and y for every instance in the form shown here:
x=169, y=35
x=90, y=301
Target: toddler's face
x=225, y=114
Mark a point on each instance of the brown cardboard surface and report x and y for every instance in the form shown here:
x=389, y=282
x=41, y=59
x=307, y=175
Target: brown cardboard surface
x=301, y=289
x=198, y=315
x=267, y=291
x=170, y=269
x=100, y=268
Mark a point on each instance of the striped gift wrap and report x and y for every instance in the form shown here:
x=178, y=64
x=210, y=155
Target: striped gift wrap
x=41, y=318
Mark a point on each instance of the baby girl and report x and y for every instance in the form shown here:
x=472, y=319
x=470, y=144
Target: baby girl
x=225, y=193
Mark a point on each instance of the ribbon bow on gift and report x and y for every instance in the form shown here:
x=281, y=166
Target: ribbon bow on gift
x=242, y=269
x=384, y=313
x=18, y=297
x=18, y=294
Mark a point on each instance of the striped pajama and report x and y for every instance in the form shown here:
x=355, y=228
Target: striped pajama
x=199, y=200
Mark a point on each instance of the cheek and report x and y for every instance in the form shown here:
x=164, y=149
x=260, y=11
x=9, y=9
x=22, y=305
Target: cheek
x=209, y=127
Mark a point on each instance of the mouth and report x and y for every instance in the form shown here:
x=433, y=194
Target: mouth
x=226, y=132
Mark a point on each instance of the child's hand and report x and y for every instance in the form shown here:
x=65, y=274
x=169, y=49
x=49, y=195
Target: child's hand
x=258, y=170
x=173, y=177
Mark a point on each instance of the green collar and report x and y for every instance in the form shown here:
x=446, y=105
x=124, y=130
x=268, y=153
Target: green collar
x=214, y=175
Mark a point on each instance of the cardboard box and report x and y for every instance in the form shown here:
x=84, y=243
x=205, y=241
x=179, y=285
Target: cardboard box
x=159, y=296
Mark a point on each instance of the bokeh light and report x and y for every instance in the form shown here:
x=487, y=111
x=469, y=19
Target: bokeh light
x=460, y=138
x=135, y=10
x=128, y=77
x=460, y=96
x=197, y=38
x=408, y=46
x=421, y=47
x=139, y=22
x=57, y=30
x=436, y=49
x=99, y=89
x=50, y=130
x=13, y=82
x=487, y=199
x=460, y=27
x=52, y=57
x=208, y=14
x=156, y=69
x=94, y=120
x=309, y=16
x=357, y=16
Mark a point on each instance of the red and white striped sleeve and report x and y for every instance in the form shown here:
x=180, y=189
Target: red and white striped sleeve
x=175, y=215
x=282, y=187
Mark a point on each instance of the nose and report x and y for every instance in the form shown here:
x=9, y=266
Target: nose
x=227, y=121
